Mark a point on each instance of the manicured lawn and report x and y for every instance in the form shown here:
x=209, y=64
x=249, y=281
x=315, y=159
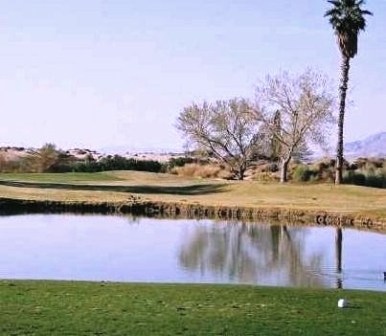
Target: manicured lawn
x=77, y=308
x=119, y=185
x=59, y=177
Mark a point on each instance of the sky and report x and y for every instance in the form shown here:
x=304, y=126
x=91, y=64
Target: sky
x=116, y=73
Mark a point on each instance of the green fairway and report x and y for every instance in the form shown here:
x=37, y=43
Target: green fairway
x=119, y=186
x=59, y=177
x=76, y=308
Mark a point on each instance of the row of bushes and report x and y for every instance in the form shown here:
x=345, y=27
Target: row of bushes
x=115, y=162
x=363, y=172
x=62, y=163
x=375, y=179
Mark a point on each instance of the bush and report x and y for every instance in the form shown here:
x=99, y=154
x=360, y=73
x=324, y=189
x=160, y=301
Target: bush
x=376, y=179
x=263, y=166
x=367, y=172
x=115, y=162
x=303, y=173
x=118, y=162
x=198, y=170
x=266, y=177
x=179, y=162
x=372, y=178
x=354, y=177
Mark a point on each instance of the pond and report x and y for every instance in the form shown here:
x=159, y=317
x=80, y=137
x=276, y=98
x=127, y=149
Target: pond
x=117, y=248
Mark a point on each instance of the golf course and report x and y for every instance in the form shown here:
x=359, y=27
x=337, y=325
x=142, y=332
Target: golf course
x=363, y=206
x=105, y=308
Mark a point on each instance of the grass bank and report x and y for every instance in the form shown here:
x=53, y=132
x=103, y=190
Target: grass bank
x=359, y=203
x=76, y=308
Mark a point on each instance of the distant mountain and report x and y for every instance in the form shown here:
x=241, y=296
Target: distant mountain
x=123, y=150
x=372, y=146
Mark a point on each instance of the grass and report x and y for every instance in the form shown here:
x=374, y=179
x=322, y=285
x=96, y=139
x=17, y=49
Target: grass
x=59, y=177
x=80, y=308
x=119, y=185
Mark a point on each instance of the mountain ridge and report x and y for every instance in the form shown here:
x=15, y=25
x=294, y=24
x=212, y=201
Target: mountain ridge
x=371, y=146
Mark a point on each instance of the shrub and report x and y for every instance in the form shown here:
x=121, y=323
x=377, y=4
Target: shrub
x=370, y=173
x=303, y=173
x=376, y=179
x=354, y=177
x=179, y=162
x=266, y=177
x=327, y=175
x=198, y=170
x=266, y=167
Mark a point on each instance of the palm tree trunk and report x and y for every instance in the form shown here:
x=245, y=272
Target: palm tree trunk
x=345, y=68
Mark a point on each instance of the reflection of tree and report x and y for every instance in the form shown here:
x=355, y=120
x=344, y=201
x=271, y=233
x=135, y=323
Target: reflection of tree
x=252, y=253
x=338, y=257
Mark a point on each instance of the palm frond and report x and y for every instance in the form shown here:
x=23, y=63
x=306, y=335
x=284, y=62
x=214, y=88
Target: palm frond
x=347, y=19
x=366, y=12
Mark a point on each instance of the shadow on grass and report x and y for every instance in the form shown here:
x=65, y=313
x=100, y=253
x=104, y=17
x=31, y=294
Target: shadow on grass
x=194, y=189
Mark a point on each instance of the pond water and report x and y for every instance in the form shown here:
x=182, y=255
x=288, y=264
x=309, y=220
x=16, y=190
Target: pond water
x=115, y=248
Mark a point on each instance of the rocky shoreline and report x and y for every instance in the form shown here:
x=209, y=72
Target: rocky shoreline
x=158, y=209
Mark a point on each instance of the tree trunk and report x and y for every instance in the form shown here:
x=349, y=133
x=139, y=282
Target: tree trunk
x=241, y=171
x=284, y=169
x=345, y=67
x=338, y=257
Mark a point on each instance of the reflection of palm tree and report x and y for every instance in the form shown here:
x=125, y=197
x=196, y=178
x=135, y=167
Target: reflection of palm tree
x=252, y=253
x=338, y=256
x=275, y=234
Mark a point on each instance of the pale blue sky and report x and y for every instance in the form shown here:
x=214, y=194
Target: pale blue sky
x=100, y=73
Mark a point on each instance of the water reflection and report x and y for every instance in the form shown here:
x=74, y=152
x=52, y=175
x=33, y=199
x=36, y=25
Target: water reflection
x=249, y=253
x=117, y=248
x=338, y=257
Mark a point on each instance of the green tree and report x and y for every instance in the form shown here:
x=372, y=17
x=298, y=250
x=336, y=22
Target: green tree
x=347, y=19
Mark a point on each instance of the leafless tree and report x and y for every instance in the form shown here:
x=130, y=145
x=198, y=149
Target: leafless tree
x=251, y=253
x=226, y=129
x=304, y=105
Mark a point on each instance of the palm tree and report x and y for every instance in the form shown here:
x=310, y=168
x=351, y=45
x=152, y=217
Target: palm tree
x=347, y=19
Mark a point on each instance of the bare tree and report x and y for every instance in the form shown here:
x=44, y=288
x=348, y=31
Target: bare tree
x=226, y=129
x=251, y=253
x=304, y=106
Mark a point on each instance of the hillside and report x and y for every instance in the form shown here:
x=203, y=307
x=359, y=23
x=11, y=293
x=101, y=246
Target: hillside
x=372, y=146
